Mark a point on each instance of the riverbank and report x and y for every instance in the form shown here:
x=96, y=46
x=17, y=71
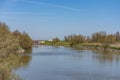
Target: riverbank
x=7, y=64
x=12, y=44
x=98, y=46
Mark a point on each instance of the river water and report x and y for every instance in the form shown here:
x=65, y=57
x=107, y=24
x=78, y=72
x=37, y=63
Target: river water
x=60, y=63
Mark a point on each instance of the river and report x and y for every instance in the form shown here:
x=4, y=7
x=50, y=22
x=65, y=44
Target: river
x=60, y=63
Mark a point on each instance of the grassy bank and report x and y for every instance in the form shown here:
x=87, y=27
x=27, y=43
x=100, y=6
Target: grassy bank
x=60, y=43
x=100, y=40
x=95, y=45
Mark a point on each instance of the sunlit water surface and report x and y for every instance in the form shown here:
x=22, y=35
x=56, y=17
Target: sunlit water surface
x=60, y=63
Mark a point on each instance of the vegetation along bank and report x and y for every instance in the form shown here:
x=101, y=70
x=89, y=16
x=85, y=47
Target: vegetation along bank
x=99, y=40
x=13, y=42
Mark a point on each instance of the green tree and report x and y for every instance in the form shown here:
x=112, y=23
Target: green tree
x=99, y=37
x=117, y=36
x=8, y=43
x=56, y=40
x=26, y=41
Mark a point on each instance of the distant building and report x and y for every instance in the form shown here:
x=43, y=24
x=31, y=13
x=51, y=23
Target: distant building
x=50, y=40
x=41, y=41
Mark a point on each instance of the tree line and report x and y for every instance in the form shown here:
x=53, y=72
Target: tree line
x=13, y=42
x=95, y=37
x=101, y=38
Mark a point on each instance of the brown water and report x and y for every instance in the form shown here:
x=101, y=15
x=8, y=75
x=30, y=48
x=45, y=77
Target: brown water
x=59, y=63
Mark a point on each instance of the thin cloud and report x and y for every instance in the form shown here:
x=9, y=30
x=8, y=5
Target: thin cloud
x=17, y=13
x=37, y=3
x=52, y=5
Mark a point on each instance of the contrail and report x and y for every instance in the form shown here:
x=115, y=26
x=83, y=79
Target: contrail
x=52, y=5
x=36, y=3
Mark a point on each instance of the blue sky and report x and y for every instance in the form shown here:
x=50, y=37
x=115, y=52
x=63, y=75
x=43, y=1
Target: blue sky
x=45, y=19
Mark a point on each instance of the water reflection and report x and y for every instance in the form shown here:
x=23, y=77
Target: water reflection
x=24, y=61
x=101, y=56
x=8, y=64
x=60, y=63
x=106, y=57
